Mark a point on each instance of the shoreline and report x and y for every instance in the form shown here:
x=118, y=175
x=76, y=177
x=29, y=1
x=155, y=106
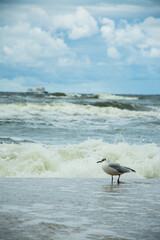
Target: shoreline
x=79, y=208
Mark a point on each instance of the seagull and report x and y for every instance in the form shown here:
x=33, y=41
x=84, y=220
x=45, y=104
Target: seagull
x=114, y=169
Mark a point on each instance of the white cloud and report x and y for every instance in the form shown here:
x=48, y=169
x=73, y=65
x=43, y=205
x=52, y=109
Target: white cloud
x=151, y=53
x=70, y=61
x=36, y=39
x=140, y=39
x=108, y=29
x=66, y=61
x=79, y=25
x=112, y=52
x=24, y=44
x=124, y=10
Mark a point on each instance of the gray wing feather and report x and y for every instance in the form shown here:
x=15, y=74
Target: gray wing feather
x=117, y=167
x=121, y=169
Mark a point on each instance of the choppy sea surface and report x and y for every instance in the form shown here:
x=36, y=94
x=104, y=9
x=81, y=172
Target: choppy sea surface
x=50, y=184
x=64, y=135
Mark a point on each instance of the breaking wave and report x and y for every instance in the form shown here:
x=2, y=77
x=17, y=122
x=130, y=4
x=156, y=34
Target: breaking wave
x=121, y=105
x=48, y=109
x=77, y=160
x=114, y=97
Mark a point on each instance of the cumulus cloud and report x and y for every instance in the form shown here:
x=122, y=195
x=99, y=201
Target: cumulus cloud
x=58, y=42
x=37, y=39
x=24, y=44
x=78, y=25
x=113, y=52
x=140, y=39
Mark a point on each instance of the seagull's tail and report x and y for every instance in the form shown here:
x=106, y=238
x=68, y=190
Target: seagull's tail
x=127, y=169
x=132, y=170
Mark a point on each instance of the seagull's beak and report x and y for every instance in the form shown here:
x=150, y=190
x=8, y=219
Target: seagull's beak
x=99, y=161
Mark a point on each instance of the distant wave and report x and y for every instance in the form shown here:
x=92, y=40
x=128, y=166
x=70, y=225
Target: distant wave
x=61, y=95
x=48, y=109
x=14, y=140
x=121, y=105
x=96, y=96
x=78, y=160
x=114, y=97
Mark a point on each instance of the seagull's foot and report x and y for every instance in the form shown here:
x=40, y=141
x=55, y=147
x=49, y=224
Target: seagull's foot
x=118, y=182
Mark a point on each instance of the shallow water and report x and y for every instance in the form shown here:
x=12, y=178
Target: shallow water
x=79, y=209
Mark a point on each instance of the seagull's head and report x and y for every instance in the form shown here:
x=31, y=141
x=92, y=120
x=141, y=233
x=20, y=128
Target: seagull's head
x=101, y=161
x=104, y=160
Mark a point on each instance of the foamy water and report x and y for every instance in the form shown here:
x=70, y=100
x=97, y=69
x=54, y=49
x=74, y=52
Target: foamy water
x=115, y=97
x=77, y=160
x=49, y=109
x=66, y=136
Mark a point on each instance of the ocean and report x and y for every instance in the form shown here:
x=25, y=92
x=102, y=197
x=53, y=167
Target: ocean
x=51, y=184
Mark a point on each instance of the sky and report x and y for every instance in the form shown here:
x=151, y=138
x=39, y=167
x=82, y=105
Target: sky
x=80, y=46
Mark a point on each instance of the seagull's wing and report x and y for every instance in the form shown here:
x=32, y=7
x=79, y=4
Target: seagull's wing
x=117, y=167
x=120, y=169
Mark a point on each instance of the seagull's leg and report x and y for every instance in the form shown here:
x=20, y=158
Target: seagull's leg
x=118, y=179
x=118, y=182
x=112, y=179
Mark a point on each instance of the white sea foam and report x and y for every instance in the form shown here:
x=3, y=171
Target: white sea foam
x=115, y=97
x=49, y=109
x=78, y=160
